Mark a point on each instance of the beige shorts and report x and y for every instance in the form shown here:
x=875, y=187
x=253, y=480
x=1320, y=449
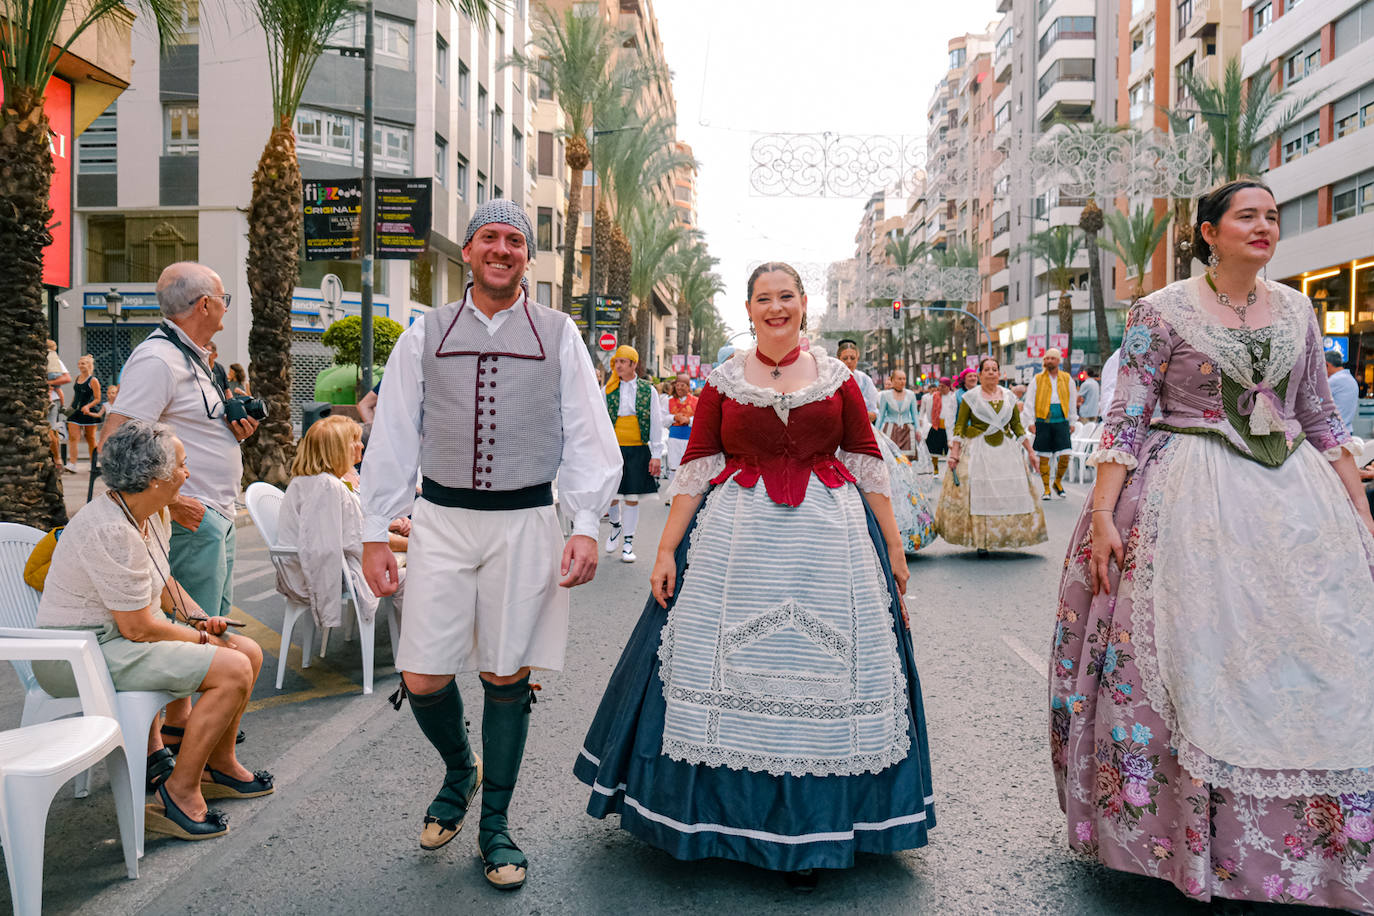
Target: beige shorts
x=482, y=591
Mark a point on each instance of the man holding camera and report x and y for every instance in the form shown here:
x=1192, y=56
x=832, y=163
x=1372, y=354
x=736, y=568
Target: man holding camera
x=168, y=380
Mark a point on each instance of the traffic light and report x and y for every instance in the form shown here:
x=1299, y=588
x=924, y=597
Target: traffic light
x=1082, y=375
x=896, y=308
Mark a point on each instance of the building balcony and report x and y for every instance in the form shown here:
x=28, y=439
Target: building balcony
x=1206, y=19
x=1063, y=99
x=1004, y=6
x=1000, y=282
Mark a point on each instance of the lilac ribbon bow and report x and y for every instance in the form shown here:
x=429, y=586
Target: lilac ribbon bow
x=1265, y=416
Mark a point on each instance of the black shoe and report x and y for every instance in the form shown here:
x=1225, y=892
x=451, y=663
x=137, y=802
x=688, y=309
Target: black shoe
x=803, y=881
x=982, y=551
x=169, y=820
x=224, y=786
x=159, y=767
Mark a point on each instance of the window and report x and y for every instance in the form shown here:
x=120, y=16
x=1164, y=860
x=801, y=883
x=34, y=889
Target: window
x=517, y=147
x=1067, y=69
x=1353, y=196
x=1301, y=138
x=1185, y=16
x=481, y=189
x=1263, y=14
x=500, y=46
x=135, y=249
x=481, y=105
x=683, y=193
x=440, y=159
x=586, y=219
x=464, y=79
x=1298, y=215
x=181, y=129
x=1001, y=224
x=1183, y=73
x=496, y=191
x=957, y=58
x=440, y=60
x=545, y=153
x=97, y=147
x=1002, y=117
x=1005, y=41
x=1303, y=60
x=543, y=229
x=190, y=25
x=391, y=38
x=1352, y=112
x=545, y=81
x=1068, y=27
x=498, y=125
x=543, y=294
x=330, y=137
x=588, y=178
x=1142, y=96
x=1353, y=28
x=460, y=176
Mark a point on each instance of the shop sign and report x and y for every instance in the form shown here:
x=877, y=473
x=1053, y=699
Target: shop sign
x=332, y=216
x=404, y=211
x=57, y=255
x=1339, y=345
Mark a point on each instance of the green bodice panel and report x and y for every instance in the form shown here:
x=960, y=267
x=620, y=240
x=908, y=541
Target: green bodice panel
x=967, y=425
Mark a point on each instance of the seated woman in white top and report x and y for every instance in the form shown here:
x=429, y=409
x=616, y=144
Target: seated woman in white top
x=110, y=574
x=322, y=519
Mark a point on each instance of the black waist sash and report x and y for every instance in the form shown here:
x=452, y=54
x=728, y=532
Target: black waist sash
x=541, y=494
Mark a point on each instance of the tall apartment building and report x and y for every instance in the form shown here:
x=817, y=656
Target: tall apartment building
x=165, y=173
x=1057, y=61
x=685, y=188
x=1322, y=168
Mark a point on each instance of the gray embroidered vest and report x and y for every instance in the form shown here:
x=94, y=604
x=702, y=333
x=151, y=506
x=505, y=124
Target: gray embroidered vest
x=491, y=404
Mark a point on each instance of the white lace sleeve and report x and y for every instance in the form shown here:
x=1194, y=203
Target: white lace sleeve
x=1353, y=447
x=694, y=477
x=870, y=472
x=1111, y=456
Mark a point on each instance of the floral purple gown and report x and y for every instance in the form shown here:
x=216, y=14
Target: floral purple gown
x=1210, y=718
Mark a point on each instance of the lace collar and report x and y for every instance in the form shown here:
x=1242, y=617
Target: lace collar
x=728, y=379
x=1180, y=304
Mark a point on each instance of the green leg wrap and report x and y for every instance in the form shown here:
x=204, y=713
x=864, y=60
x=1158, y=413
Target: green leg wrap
x=505, y=723
x=440, y=715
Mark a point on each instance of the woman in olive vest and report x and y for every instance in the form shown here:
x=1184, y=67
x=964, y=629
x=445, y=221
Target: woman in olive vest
x=637, y=417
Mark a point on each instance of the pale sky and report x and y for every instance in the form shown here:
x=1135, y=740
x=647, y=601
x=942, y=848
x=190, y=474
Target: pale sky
x=797, y=66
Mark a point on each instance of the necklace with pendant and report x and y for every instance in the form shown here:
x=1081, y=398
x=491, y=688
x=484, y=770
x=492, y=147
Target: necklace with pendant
x=1239, y=310
x=777, y=365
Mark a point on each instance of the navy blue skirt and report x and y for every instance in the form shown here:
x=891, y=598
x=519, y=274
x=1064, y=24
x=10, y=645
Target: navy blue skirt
x=786, y=823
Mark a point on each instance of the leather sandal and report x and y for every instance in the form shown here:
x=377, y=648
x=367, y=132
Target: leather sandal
x=222, y=785
x=169, y=820
x=437, y=832
x=500, y=874
x=159, y=767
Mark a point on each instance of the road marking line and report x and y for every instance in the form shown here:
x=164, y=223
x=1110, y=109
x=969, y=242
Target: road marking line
x=250, y=569
x=243, y=580
x=323, y=682
x=261, y=595
x=1038, y=664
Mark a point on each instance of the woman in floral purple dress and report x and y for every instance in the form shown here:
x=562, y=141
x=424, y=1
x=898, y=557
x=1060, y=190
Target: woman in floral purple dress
x=1212, y=699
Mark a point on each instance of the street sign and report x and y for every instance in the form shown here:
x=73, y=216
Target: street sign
x=1060, y=342
x=1035, y=346
x=331, y=296
x=607, y=341
x=1339, y=345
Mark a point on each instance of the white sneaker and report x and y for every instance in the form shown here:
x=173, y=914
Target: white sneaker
x=70, y=467
x=628, y=554
x=613, y=541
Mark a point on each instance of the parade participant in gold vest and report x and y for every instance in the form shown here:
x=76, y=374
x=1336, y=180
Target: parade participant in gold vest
x=637, y=415
x=1054, y=397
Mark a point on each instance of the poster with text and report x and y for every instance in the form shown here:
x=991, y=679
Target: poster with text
x=332, y=217
x=404, y=210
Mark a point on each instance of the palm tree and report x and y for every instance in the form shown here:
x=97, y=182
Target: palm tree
x=689, y=271
x=1239, y=118
x=1090, y=220
x=1058, y=247
x=579, y=57
x=653, y=232
x=36, y=35
x=296, y=32
x=1135, y=236
x=630, y=164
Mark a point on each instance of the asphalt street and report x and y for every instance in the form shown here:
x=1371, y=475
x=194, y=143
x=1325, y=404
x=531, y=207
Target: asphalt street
x=353, y=777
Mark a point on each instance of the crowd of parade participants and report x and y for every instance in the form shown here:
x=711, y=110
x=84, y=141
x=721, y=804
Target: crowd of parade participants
x=1211, y=706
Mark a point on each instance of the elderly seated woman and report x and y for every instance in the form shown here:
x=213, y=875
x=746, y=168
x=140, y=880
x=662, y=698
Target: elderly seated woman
x=322, y=518
x=110, y=574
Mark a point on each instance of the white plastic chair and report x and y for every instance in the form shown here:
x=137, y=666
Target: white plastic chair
x=35, y=760
x=135, y=709
x=264, y=506
x=1084, y=443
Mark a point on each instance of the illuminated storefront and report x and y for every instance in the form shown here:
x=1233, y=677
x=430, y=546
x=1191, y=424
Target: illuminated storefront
x=1343, y=295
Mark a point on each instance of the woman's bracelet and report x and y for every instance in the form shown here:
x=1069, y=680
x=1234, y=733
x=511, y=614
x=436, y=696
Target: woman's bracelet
x=1104, y=510
x=203, y=637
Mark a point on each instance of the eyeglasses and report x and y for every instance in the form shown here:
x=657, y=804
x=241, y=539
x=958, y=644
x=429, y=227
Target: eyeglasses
x=225, y=298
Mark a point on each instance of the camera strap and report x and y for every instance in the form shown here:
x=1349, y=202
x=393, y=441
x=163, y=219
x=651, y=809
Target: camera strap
x=193, y=362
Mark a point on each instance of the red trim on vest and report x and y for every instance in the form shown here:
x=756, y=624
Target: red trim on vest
x=440, y=352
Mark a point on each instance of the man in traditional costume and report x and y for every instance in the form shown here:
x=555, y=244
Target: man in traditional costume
x=467, y=403
x=1054, y=397
x=939, y=410
x=637, y=418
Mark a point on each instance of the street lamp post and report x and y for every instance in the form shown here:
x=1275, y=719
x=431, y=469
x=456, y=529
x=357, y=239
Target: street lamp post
x=369, y=227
